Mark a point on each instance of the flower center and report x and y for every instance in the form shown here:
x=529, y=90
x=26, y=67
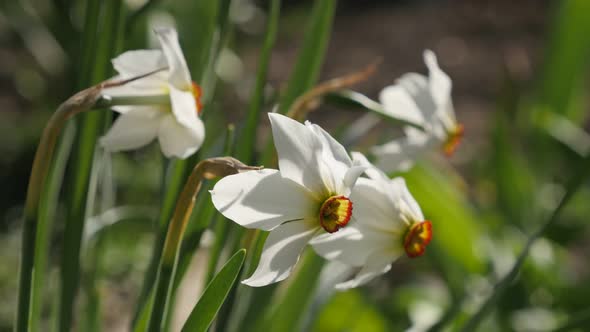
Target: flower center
x=197, y=93
x=417, y=238
x=335, y=213
x=453, y=140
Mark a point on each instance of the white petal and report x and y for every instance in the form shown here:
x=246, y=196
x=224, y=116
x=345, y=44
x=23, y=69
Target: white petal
x=177, y=140
x=299, y=151
x=349, y=245
x=401, y=195
x=374, y=207
x=133, y=63
x=261, y=199
x=331, y=146
x=417, y=86
x=184, y=107
x=179, y=73
x=334, y=272
x=132, y=130
x=378, y=263
x=439, y=82
x=440, y=85
x=371, y=171
x=400, y=104
x=281, y=252
x=334, y=166
x=147, y=86
x=398, y=155
x=350, y=178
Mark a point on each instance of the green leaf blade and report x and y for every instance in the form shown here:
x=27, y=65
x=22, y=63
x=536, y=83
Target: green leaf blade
x=210, y=302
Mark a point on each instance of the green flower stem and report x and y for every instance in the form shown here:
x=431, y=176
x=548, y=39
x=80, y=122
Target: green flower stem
x=221, y=224
x=206, y=169
x=46, y=214
x=107, y=101
x=90, y=128
x=83, y=101
x=575, y=183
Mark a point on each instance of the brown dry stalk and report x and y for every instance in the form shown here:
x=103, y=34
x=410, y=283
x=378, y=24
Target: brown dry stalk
x=310, y=100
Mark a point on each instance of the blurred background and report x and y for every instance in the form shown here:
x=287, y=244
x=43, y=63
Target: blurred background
x=520, y=87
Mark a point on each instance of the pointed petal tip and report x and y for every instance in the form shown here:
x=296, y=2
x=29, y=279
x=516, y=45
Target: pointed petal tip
x=429, y=57
x=260, y=281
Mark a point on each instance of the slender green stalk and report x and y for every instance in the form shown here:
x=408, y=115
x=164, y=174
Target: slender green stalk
x=90, y=127
x=221, y=231
x=221, y=225
x=310, y=58
x=47, y=207
x=93, y=311
x=88, y=46
x=206, y=169
x=247, y=142
x=575, y=183
x=204, y=216
x=175, y=179
x=80, y=102
x=206, y=56
x=309, y=61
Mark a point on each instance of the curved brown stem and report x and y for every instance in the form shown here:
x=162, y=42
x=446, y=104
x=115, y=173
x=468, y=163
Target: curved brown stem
x=310, y=100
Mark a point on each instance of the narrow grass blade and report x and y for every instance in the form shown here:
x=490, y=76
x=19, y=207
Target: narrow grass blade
x=221, y=224
x=568, y=54
x=91, y=126
x=206, y=309
x=247, y=142
x=210, y=168
x=47, y=207
x=209, y=15
x=309, y=61
x=173, y=181
x=204, y=215
x=311, y=56
x=27, y=268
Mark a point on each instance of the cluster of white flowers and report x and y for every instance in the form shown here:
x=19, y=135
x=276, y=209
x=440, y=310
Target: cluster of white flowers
x=347, y=209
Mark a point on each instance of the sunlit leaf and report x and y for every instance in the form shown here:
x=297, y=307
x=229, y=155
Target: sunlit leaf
x=206, y=309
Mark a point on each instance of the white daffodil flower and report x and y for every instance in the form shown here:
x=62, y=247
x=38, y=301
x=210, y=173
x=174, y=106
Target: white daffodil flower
x=424, y=101
x=306, y=197
x=166, y=103
x=388, y=222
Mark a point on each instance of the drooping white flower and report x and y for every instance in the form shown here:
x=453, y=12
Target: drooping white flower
x=306, y=197
x=425, y=101
x=168, y=101
x=388, y=223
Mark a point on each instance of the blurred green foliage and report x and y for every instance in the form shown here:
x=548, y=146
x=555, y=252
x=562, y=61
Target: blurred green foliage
x=482, y=211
